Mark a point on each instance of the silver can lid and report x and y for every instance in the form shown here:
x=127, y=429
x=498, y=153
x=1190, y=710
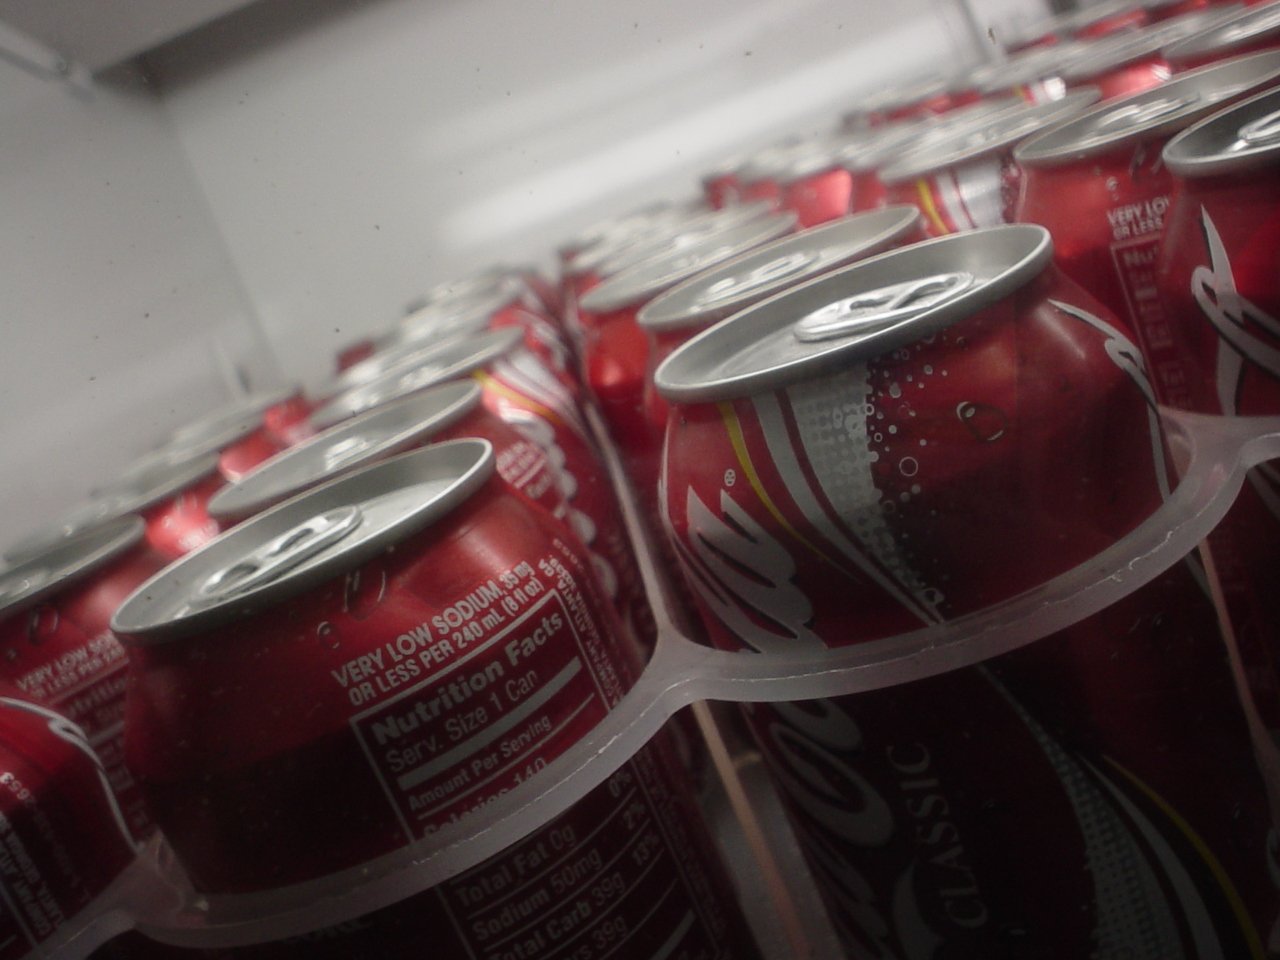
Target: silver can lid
x=358, y=442
x=650, y=277
x=227, y=424
x=855, y=314
x=714, y=294
x=488, y=281
x=38, y=577
x=1151, y=114
x=446, y=361
x=608, y=258
x=304, y=542
x=1000, y=133
x=1239, y=139
x=148, y=481
x=1094, y=13
x=897, y=96
x=1247, y=27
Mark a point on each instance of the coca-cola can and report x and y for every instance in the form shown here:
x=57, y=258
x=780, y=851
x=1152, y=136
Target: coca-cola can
x=65, y=839
x=627, y=873
x=918, y=100
x=1105, y=19
x=1098, y=183
x=712, y=295
x=1034, y=76
x=56, y=647
x=836, y=457
x=351, y=662
x=1249, y=31
x=970, y=180
x=519, y=390
x=1219, y=281
x=615, y=349
x=169, y=489
x=1121, y=65
x=1160, y=10
x=865, y=157
x=245, y=432
x=856, y=432
x=450, y=411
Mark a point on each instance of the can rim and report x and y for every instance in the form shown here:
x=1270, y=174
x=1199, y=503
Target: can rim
x=1241, y=29
x=382, y=432
x=435, y=364
x=1001, y=132
x=644, y=280
x=840, y=242
x=1220, y=143
x=65, y=562
x=742, y=355
x=391, y=500
x=1189, y=96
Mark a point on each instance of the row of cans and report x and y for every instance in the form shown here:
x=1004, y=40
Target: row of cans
x=318, y=675
x=848, y=456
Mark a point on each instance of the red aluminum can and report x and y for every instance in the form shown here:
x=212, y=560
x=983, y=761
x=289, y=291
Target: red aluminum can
x=65, y=839
x=451, y=411
x=1090, y=795
x=519, y=390
x=823, y=492
x=1219, y=281
x=501, y=305
x=685, y=310
x=1099, y=185
x=1249, y=31
x=865, y=488
x=628, y=873
x=1121, y=65
x=373, y=659
x=245, y=432
x=167, y=488
x=816, y=187
x=970, y=180
x=56, y=647
x=1160, y=10
x=1105, y=19
x=615, y=349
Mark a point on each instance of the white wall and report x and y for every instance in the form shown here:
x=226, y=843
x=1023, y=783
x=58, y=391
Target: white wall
x=116, y=289
x=353, y=153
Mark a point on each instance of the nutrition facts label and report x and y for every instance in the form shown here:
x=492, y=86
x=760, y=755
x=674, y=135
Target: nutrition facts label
x=29, y=911
x=604, y=881
x=508, y=700
x=1135, y=262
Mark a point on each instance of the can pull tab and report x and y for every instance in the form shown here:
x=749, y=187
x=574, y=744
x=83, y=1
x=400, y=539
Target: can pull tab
x=280, y=555
x=876, y=309
x=1141, y=114
x=763, y=275
x=339, y=454
x=1261, y=131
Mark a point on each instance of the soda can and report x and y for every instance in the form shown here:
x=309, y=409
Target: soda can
x=169, y=490
x=862, y=419
x=628, y=873
x=1121, y=65
x=65, y=839
x=864, y=157
x=671, y=318
x=1098, y=183
x=615, y=349
x=1219, y=280
x=56, y=647
x=1034, y=76
x=518, y=389
x=918, y=100
x=834, y=456
x=450, y=411
x=816, y=186
x=970, y=180
x=720, y=184
x=1253, y=30
x=615, y=254
x=313, y=669
x=245, y=432
x=644, y=218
